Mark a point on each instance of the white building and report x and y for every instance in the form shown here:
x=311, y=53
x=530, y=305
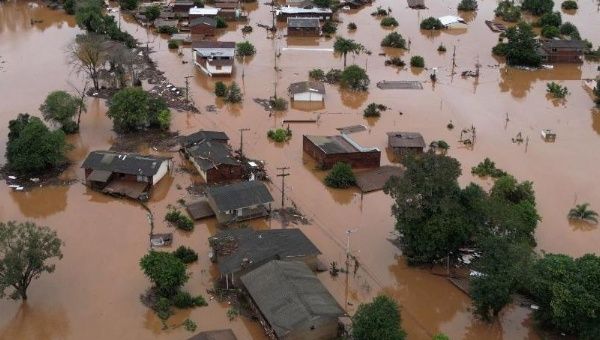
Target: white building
x=307, y=91
x=196, y=12
x=214, y=57
x=453, y=22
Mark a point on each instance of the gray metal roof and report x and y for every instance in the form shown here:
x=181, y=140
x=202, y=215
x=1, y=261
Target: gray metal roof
x=562, y=43
x=203, y=20
x=220, y=334
x=123, y=163
x=290, y=296
x=211, y=154
x=255, y=247
x=307, y=86
x=304, y=22
x=337, y=144
x=239, y=195
x=204, y=135
x=405, y=140
x=214, y=48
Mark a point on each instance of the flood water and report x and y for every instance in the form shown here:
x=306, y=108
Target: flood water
x=94, y=292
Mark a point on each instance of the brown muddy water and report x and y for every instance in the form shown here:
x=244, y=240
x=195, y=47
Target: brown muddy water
x=95, y=290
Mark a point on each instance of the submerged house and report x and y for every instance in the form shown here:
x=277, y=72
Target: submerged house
x=416, y=4
x=238, y=251
x=406, y=143
x=292, y=302
x=219, y=334
x=453, y=22
x=214, y=161
x=203, y=26
x=303, y=27
x=328, y=150
x=214, y=57
x=287, y=12
x=240, y=201
x=196, y=12
x=561, y=51
x=126, y=174
x=307, y=91
x=203, y=136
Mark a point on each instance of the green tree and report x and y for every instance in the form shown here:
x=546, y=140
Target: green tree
x=245, y=48
x=537, y=7
x=186, y=254
x=329, y=27
x=508, y=11
x=355, y=78
x=166, y=272
x=550, y=32
x=417, y=61
x=322, y=3
x=393, y=39
x=32, y=147
x=431, y=23
x=128, y=5
x=128, y=109
x=340, y=176
x=25, y=250
x=550, y=19
x=389, y=22
x=440, y=336
x=379, y=319
x=569, y=5
x=556, y=91
x=344, y=46
x=582, y=212
x=570, y=30
x=88, y=16
x=234, y=94
x=152, y=12
x=521, y=48
x=61, y=107
x=220, y=89
x=467, y=5
x=221, y=23
x=69, y=6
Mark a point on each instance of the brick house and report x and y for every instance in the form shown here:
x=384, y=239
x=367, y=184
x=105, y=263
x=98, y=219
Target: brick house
x=328, y=150
x=561, y=51
x=203, y=26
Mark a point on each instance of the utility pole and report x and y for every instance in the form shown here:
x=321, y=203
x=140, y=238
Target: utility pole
x=283, y=175
x=242, y=141
x=348, y=233
x=187, y=88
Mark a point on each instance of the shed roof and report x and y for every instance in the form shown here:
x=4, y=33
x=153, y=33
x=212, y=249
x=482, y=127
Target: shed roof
x=239, y=195
x=164, y=22
x=203, y=21
x=451, y=19
x=220, y=334
x=205, y=135
x=337, y=144
x=290, y=296
x=405, y=140
x=123, y=163
x=303, y=22
x=255, y=247
x=209, y=155
x=307, y=86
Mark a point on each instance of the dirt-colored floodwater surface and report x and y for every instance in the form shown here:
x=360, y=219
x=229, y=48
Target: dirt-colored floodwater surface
x=95, y=290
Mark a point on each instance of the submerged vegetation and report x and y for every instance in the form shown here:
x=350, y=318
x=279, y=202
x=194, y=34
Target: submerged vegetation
x=557, y=91
x=340, y=176
x=280, y=135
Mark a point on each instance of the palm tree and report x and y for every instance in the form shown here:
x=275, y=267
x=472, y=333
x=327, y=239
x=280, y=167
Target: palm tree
x=581, y=212
x=344, y=46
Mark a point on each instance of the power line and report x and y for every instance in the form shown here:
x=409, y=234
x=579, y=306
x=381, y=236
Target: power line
x=283, y=175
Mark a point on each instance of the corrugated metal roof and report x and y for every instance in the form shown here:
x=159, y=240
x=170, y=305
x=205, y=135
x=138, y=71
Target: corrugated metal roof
x=405, y=140
x=239, y=195
x=303, y=22
x=124, y=163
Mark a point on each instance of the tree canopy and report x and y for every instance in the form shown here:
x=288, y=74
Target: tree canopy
x=32, y=147
x=245, y=48
x=344, y=46
x=165, y=270
x=355, y=78
x=25, y=251
x=537, y=7
x=61, y=107
x=340, y=176
x=521, y=48
x=132, y=109
x=379, y=319
x=393, y=39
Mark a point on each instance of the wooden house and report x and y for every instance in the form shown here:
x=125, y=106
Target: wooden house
x=297, y=12
x=561, y=51
x=307, y=91
x=328, y=150
x=406, y=143
x=303, y=27
x=240, y=201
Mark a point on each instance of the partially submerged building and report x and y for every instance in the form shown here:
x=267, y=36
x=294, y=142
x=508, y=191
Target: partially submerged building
x=240, y=201
x=203, y=26
x=287, y=12
x=303, y=27
x=561, y=51
x=328, y=150
x=219, y=334
x=196, y=12
x=453, y=22
x=416, y=4
x=406, y=143
x=214, y=161
x=238, y=251
x=292, y=302
x=214, y=57
x=203, y=136
x=125, y=174
x=307, y=91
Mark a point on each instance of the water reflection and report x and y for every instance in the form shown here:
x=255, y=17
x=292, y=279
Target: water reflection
x=41, y=202
x=36, y=322
x=519, y=82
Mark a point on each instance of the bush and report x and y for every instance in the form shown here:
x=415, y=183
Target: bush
x=355, y=78
x=316, y=74
x=431, y=23
x=173, y=44
x=221, y=23
x=570, y=30
x=162, y=307
x=234, y=94
x=190, y=325
x=247, y=29
x=379, y=319
x=128, y=5
x=467, y=5
x=374, y=110
x=441, y=48
x=278, y=104
x=569, y=5
x=340, y=176
x=487, y=168
x=352, y=26
x=417, y=61
x=163, y=120
x=501, y=49
x=179, y=220
x=152, y=12
x=69, y=6
x=395, y=61
x=557, y=91
x=379, y=12
x=280, y=135
x=245, y=48
x=186, y=255
x=170, y=30
x=521, y=48
x=220, y=89
x=537, y=7
x=550, y=32
x=184, y=300
x=508, y=11
x=550, y=19
x=333, y=76
x=329, y=27
x=322, y=3
x=394, y=39
x=389, y=22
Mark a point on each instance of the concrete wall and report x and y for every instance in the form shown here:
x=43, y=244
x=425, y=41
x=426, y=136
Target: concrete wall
x=308, y=97
x=162, y=171
x=203, y=30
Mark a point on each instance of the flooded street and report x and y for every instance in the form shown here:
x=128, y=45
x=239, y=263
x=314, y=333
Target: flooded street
x=94, y=292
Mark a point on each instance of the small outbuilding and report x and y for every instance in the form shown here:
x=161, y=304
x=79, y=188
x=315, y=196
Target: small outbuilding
x=182, y=6
x=240, y=250
x=293, y=303
x=240, y=201
x=307, y=91
x=204, y=26
x=303, y=27
x=328, y=150
x=453, y=22
x=406, y=143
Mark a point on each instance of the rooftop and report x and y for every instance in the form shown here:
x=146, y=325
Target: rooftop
x=307, y=86
x=337, y=144
x=240, y=247
x=203, y=20
x=290, y=296
x=405, y=140
x=239, y=195
x=211, y=154
x=203, y=11
x=562, y=43
x=214, y=48
x=303, y=22
x=451, y=19
x=299, y=10
x=220, y=334
x=124, y=163
x=204, y=135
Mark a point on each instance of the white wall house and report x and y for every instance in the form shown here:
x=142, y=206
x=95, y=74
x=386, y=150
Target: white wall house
x=307, y=91
x=214, y=57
